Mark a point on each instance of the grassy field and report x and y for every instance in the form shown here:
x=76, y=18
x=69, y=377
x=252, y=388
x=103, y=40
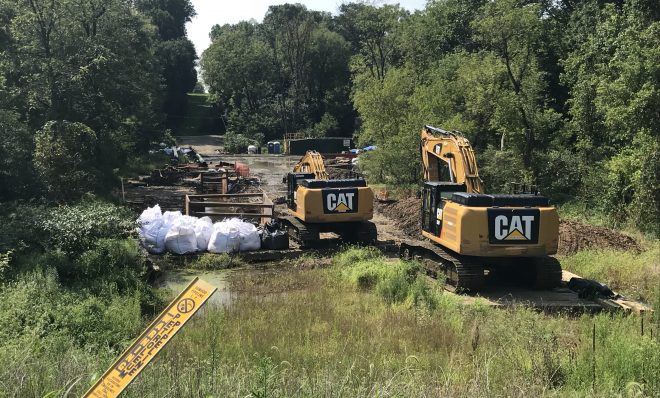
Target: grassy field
x=367, y=326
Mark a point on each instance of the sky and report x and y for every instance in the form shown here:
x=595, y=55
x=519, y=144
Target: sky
x=211, y=12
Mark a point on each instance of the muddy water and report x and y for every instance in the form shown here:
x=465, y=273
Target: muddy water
x=177, y=280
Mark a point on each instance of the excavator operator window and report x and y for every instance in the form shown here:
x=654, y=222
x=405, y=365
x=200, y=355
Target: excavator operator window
x=444, y=173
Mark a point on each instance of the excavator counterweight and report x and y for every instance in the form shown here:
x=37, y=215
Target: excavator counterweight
x=317, y=204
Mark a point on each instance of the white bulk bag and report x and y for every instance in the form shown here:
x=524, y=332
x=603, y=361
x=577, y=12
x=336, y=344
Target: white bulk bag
x=249, y=237
x=168, y=219
x=225, y=238
x=181, y=237
x=203, y=231
x=150, y=223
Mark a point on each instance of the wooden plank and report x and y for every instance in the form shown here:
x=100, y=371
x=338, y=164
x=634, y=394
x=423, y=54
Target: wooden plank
x=227, y=195
x=202, y=214
x=228, y=204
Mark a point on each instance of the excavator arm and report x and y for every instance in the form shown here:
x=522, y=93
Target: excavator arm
x=448, y=156
x=312, y=162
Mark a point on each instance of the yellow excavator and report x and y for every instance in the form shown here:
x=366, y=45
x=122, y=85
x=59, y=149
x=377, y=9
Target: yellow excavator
x=318, y=204
x=473, y=235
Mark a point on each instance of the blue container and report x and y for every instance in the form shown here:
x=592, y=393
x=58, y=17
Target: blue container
x=270, y=147
x=276, y=147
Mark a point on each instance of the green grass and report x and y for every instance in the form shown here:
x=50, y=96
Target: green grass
x=632, y=274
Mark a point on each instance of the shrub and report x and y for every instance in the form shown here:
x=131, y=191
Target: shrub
x=65, y=157
x=238, y=143
x=395, y=281
x=70, y=228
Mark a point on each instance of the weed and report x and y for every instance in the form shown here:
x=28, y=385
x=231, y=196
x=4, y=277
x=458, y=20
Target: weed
x=211, y=261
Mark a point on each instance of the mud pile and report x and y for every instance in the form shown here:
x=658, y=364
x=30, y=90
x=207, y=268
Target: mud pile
x=337, y=173
x=573, y=236
x=405, y=213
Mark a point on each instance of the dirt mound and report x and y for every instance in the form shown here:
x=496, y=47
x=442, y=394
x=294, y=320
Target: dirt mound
x=573, y=236
x=405, y=212
x=337, y=173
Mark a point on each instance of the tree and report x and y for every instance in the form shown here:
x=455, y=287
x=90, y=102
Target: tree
x=512, y=32
x=372, y=32
x=175, y=53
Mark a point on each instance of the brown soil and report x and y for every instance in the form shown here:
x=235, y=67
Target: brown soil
x=337, y=173
x=573, y=236
x=404, y=213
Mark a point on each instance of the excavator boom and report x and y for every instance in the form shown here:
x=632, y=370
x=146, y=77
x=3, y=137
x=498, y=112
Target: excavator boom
x=448, y=156
x=312, y=162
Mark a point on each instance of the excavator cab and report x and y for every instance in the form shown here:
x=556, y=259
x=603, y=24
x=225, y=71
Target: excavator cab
x=434, y=196
x=292, y=181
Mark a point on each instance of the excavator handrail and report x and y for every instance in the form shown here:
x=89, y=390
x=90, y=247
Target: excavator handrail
x=454, y=149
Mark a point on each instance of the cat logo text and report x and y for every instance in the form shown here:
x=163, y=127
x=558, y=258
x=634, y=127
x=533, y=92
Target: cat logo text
x=340, y=201
x=513, y=226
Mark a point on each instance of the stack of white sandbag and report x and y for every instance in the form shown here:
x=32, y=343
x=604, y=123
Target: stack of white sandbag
x=181, y=234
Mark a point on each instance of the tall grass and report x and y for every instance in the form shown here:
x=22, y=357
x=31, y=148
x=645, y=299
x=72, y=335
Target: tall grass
x=322, y=332
x=635, y=275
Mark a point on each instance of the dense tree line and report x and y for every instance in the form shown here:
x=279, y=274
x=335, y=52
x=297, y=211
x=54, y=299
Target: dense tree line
x=83, y=85
x=564, y=94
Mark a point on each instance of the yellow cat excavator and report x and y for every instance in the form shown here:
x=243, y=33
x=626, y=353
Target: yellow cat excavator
x=318, y=204
x=473, y=235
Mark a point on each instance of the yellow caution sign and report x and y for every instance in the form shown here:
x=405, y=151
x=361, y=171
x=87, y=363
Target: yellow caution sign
x=152, y=340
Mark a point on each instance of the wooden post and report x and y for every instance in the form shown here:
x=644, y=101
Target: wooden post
x=593, y=362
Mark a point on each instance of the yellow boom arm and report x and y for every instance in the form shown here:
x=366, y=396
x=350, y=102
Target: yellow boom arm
x=453, y=152
x=312, y=162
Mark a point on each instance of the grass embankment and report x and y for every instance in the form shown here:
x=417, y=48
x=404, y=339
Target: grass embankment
x=72, y=293
x=368, y=326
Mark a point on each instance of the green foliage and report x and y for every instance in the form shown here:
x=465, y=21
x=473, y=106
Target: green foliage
x=395, y=281
x=69, y=228
x=211, y=261
x=283, y=75
x=65, y=157
x=238, y=143
x=16, y=146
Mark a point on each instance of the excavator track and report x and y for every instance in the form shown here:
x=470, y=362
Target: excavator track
x=547, y=272
x=462, y=272
x=363, y=232
x=367, y=233
x=305, y=234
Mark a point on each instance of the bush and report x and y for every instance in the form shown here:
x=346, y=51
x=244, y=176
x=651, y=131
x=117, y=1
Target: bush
x=70, y=228
x=395, y=281
x=65, y=157
x=238, y=143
